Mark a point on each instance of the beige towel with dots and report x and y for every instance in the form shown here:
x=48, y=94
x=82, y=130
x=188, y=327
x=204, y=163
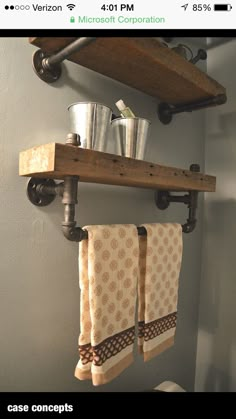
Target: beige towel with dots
x=159, y=265
x=108, y=271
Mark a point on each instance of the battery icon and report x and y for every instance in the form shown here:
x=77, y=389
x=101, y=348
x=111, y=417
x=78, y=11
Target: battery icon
x=222, y=7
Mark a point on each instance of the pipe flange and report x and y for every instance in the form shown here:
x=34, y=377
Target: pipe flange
x=45, y=73
x=164, y=113
x=162, y=199
x=34, y=191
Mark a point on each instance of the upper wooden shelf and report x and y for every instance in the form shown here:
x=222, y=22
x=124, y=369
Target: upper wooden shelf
x=142, y=63
x=57, y=161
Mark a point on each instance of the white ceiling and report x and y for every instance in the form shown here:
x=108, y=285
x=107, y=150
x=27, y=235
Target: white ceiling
x=214, y=42
x=207, y=42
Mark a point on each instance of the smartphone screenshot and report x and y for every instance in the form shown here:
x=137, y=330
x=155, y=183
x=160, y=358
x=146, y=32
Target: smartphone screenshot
x=118, y=200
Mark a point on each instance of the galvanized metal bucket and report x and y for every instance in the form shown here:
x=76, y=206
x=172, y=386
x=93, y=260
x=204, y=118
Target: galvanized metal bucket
x=91, y=121
x=130, y=136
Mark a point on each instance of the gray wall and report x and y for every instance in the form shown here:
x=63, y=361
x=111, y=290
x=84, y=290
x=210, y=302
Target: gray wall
x=39, y=290
x=216, y=355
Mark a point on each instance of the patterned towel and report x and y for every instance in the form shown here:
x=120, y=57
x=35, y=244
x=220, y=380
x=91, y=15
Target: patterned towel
x=108, y=270
x=159, y=264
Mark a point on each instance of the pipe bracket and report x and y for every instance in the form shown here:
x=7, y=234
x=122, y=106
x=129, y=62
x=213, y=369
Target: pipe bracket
x=48, y=67
x=41, y=192
x=164, y=198
x=45, y=72
x=166, y=111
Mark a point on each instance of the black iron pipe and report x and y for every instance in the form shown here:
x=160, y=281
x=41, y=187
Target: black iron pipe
x=166, y=111
x=66, y=52
x=201, y=55
x=68, y=191
x=75, y=234
x=181, y=199
x=78, y=234
x=70, y=231
x=217, y=100
x=189, y=226
x=46, y=190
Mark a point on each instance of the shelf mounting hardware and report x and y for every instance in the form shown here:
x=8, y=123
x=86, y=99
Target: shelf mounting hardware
x=201, y=55
x=164, y=198
x=48, y=67
x=165, y=111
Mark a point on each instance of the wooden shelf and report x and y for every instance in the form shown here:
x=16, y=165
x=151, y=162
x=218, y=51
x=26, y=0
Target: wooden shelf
x=58, y=160
x=142, y=63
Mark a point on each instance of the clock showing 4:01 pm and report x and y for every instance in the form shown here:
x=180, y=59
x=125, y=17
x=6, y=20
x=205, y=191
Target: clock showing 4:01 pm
x=116, y=7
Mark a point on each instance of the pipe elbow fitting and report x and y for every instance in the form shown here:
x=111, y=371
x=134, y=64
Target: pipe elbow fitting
x=189, y=226
x=74, y=234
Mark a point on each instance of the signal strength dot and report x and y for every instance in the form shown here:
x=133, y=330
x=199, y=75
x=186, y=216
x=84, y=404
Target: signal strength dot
x=70, y=6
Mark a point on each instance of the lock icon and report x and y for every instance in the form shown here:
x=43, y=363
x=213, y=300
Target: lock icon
x=72, y=19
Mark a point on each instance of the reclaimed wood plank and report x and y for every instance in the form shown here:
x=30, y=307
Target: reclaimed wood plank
x=56, y=161
x=143, y=63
